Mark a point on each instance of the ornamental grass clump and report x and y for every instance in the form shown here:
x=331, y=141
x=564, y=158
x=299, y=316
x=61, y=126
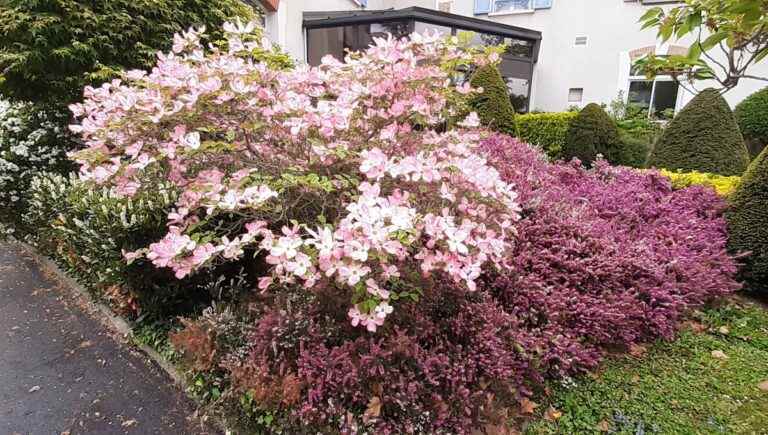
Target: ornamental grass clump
x=411, y=278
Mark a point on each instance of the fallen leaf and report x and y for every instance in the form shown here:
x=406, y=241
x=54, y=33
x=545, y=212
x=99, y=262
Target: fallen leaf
x=35, y=388
x=527, y=406
x=635, y=378
x=374, y=409
x=719, y=354
x=695, y=326
x=603, y=426
x=85, y=344
x=763, y=386
x=724, y=330
x=552, y=414
x=637, y=350
x=129, y=423
x=66, y=432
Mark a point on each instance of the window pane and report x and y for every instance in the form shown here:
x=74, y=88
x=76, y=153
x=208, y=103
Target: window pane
x=518, y=93
x=575, y=95
x=664, y=98
x=511, y=5
x=515, y=47
x=337, y=41
x=422, y=27
x=640, y=93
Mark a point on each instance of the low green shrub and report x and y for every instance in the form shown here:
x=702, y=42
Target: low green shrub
x=703, y=137
x=88, y=230
x=748, y=222
x=545, y=130
x=593, y=132
x=723, y=185
x=752, y=116
x=493, y=105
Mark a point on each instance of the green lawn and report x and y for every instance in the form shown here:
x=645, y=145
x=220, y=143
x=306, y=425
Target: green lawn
x=677, y=387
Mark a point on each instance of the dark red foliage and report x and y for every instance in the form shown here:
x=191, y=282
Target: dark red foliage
x=605, y=258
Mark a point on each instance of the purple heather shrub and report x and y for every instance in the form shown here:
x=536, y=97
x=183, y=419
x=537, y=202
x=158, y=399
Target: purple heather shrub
x=604, y=258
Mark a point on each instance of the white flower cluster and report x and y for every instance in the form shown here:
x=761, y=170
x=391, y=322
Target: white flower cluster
x=30, y=143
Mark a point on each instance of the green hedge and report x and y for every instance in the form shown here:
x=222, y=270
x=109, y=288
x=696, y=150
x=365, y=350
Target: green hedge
x=545, y=130
x=752, y=116
x=748, y=222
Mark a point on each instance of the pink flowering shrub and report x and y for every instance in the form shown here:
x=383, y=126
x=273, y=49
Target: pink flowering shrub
x=604, y=259
x=350, y=190
x=338, y=176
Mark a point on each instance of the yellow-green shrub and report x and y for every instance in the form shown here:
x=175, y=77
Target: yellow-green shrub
x=723, y=185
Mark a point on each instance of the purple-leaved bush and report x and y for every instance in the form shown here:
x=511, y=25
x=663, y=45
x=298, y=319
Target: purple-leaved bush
x=605, y=258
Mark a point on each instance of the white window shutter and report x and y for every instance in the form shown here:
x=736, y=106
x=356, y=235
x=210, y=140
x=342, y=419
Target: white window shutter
x=542, y=4
x=482, y=7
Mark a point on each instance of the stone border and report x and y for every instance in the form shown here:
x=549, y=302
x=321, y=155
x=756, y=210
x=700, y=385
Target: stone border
x=115, y=322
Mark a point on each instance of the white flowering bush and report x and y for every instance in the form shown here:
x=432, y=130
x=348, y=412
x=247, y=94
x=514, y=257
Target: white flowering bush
x=31, y=141
x=336, y=177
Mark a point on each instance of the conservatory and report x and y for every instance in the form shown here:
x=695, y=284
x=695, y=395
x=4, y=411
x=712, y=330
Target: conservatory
x=336, y=33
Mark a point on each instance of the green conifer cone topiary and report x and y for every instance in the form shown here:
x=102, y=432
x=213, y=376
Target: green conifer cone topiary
x=703, y=137
x=493, y=105
x=593, y=132
x=748, y=222
x=752, y=116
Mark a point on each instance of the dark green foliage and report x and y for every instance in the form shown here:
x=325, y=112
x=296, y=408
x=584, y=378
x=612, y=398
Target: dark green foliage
x=752, y=116
x=593, y=132
x=748, y=222
x=634, y=149
x=493, y=105
x=51, y=49
x=703, y=137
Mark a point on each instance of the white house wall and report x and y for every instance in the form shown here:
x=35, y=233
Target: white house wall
x=601, y=67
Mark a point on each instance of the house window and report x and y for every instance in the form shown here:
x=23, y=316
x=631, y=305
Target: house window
x=575, y=95
x=502, y=6
x=657, y=97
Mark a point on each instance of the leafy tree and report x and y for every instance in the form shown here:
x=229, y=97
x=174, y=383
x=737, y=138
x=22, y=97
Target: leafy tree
x=752, y=116
x=51, y=49
x=493, y=105
x=737, y=28
x=748, y=222
x=703, y=137
x=593, y=132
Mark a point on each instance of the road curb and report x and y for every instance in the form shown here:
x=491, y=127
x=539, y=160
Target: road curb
x=119, y=324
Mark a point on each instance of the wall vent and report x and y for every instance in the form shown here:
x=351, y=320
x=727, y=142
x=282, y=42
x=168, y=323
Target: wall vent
x=580, y=41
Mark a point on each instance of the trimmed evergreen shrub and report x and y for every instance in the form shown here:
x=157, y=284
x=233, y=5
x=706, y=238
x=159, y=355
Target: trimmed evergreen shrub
x=748, y=222
x=752, y=116
x=593, y=132
x=545, y=130
x=49, y=50
x=493, y=105
x=634, y=150
x=703, y=137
